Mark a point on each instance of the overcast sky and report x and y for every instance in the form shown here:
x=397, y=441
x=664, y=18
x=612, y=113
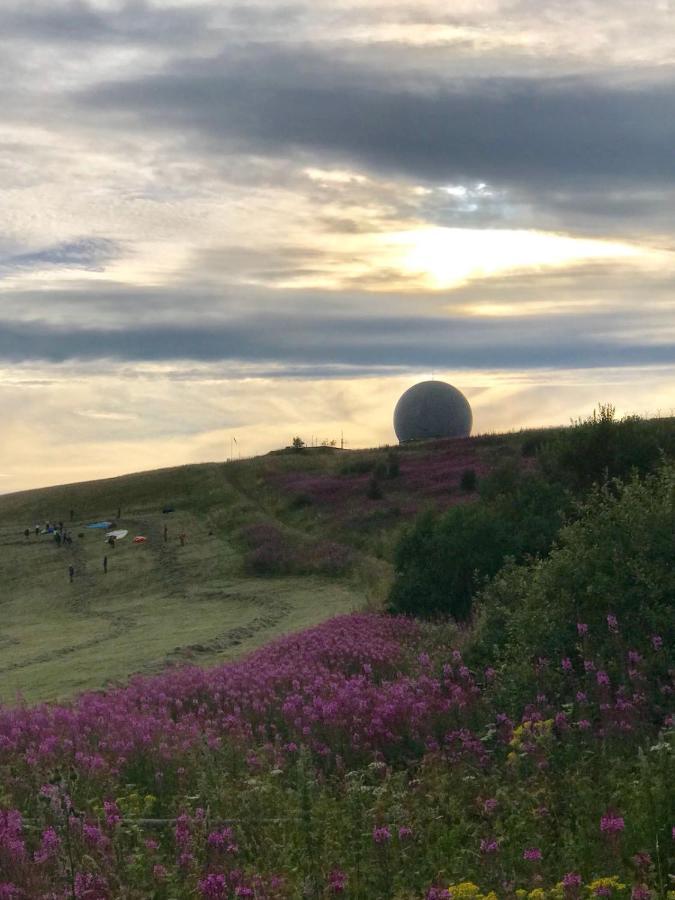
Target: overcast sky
x=257, y=220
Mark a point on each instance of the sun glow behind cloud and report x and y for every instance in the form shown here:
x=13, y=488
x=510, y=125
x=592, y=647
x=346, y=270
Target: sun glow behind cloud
x=448, y=257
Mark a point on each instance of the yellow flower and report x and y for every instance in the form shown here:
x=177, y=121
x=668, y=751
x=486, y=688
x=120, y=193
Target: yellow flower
x=466, y=890
x=610, y=883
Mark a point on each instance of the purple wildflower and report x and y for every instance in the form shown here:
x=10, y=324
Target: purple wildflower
x=381, y=835
x=49, y=846
x=611, y=824
x=337, y=881
x=489, y=845
x=532, y=853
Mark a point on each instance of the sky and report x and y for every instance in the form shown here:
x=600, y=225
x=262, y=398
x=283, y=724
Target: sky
x=226, y=220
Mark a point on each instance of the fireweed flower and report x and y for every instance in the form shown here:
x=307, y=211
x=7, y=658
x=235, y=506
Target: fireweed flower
x=582, y=628
x=612, y=623
x=566, y=664
x=640, y=892
x=571, y=880
x=611, y=824
x=490, y=805
x=49, y=846
x=89, y=886
x=602, y=678
x=489, y=845
x=532, y=853
x=381, y=835
x=337, y=881
x=657, y=641
x=112, y=813
x=404, y=833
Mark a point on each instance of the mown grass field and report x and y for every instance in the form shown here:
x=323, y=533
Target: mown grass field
x=159, y=603
x=162, y=603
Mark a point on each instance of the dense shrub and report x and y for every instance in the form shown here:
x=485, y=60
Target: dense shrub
x=358, y=465
x=300, y=501
x=442, y=560
x=374, y=490
x=611, y=570
x=603, y=447
x=468, y=480
x=393, y=464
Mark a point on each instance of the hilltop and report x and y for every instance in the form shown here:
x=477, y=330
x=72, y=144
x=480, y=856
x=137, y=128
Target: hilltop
x=274, y=544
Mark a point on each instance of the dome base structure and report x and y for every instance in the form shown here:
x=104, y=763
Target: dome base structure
x=432, y=409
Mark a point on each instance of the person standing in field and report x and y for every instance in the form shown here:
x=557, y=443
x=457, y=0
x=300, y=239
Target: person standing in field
x=26, y=534
x=166, y=533
x=71, y=573
x=105, y=565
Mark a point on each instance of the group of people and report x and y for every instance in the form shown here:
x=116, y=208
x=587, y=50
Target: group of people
x=61, y=535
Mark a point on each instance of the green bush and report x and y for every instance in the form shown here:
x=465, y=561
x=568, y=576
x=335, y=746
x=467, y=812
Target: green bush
x=358, y=465
x=603, y=447
x=393, y=464
x=468, y=481
x=442, y=560
x=615, y=560
x=374, y=491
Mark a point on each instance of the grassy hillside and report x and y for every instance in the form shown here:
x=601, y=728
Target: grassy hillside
x=524, y=756
x=158, y=603
x=274, y=544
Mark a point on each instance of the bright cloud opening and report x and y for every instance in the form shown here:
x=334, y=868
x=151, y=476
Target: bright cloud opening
x=448, y=257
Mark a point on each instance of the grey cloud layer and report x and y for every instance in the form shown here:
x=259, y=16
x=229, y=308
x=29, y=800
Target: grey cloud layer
x=375, y=342
x=497, y=130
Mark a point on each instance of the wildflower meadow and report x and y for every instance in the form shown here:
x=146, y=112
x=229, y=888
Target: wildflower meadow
x=524, y=754
x=362, y=758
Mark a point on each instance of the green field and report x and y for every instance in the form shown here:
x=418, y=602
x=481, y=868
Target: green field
x=159, y=603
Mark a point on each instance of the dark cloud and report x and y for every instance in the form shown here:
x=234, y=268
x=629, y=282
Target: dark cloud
x=498, y=130
x=450, y=342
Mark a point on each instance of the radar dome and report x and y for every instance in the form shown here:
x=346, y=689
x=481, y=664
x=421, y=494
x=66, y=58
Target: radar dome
x=432, y=409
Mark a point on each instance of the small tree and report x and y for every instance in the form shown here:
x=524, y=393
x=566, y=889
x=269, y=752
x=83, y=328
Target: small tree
x=374, y=491
x=468, y=480
x=298, y=444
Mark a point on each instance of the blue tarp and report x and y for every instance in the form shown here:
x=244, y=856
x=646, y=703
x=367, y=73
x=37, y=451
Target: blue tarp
x=100, y=525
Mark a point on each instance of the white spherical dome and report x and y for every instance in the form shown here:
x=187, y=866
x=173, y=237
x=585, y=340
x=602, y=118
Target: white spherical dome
x=432, y=409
